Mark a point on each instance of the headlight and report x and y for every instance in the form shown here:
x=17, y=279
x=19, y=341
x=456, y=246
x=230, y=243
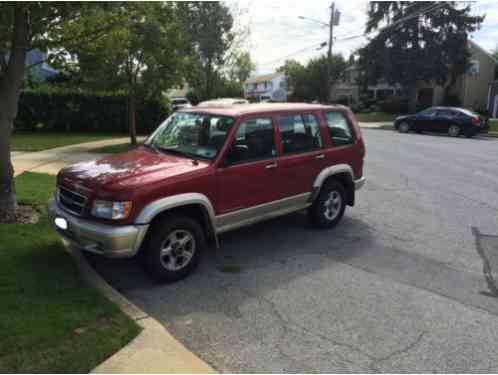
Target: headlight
x=111, y=210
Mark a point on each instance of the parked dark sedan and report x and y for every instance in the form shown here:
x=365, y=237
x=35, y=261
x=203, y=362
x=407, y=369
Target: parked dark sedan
x=451, y=120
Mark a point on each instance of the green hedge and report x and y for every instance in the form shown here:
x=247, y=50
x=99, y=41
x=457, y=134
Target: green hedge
x=75, y=111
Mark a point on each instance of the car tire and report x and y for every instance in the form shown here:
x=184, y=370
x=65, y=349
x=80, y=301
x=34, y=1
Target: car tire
x=328, y=208
x=173, y=248
x=469, y=133
x=404, y=127
x=454, y=130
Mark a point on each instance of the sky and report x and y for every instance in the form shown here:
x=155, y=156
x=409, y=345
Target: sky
x=276, y=31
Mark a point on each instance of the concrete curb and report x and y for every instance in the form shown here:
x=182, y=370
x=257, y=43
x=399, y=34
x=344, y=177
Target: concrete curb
x=154, y=350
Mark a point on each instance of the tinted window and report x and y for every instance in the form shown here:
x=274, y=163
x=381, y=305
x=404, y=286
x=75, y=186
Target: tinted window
x=445, y=113
x=338, y=129
x=468, y=113
x=299, y=133
x=254, y=141
x=428, y=112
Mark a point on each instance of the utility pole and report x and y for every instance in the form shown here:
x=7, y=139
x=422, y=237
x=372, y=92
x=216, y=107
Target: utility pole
x=329, y=55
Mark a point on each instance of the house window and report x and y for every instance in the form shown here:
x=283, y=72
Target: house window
x=473, y=67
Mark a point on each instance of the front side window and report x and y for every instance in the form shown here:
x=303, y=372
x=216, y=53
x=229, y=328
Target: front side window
x=338, y=129
x=299, y=133
x=428, y=112
x=192, y=134
x=254, y=140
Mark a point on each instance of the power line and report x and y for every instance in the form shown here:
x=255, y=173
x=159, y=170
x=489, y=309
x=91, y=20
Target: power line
x=320, y=45
x=408, y=17
x=427, y=10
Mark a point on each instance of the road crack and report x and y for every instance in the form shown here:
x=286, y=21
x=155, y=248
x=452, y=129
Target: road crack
x=406, y=349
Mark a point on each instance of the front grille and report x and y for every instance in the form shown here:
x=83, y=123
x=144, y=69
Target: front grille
x=71, y=201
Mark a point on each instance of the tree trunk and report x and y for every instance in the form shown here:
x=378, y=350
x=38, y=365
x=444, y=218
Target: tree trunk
x=412, y=98
x=10, y=90
x=132, y=127
x=7, y=188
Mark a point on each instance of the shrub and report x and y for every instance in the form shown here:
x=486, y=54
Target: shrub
x=452, y=101
x=343, y=100
x=79, y=111
x=393, y=105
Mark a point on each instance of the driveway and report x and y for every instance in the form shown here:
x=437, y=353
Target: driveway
x=398, y=286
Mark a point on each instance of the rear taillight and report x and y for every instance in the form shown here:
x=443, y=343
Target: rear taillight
x=476, y=120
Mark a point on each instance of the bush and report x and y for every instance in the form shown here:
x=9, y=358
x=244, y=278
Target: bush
x=393, y=105
x=452, y=101
x=79, y=111
x=342, y=100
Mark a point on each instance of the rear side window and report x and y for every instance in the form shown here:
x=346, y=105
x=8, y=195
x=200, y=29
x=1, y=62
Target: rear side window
x=254, y=141
x=445, y=113
x=338, y=128
x=299, y=133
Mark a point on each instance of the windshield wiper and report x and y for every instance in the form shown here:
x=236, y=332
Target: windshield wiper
x=174, y=151
x=183, y=153
x=151, y=146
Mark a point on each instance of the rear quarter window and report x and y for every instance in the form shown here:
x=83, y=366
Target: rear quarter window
x=339, y=129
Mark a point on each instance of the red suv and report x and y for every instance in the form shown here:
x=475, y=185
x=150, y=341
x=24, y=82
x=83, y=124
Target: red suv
x=205, y=171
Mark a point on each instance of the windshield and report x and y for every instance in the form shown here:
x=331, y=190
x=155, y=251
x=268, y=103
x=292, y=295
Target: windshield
x=196, y=135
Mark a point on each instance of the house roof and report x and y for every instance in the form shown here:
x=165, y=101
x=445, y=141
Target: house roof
x=477, y=46
x=248, y=109
x=263, y=78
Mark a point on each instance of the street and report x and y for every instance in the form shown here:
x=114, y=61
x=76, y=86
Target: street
x=398, y=286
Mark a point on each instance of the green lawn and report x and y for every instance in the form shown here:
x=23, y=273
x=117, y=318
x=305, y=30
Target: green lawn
x=114, y=149
x=51, y=321
x=33, y=141
x=493, y=125
x=375, y=117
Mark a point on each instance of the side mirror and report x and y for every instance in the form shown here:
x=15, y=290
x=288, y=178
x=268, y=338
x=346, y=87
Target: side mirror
x=236, y=153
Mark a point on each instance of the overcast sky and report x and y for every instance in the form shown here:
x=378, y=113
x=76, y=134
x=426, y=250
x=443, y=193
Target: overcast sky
x=277, y=32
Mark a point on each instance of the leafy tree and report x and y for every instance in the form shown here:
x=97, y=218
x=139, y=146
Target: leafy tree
x=417, y=41
x=222, y=88
x=242, y=67
x=208, y=25
x=23, y=26
x=142, y=56
x=307, y=81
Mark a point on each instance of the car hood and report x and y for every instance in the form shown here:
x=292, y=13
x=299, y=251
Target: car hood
x=127, y=170
x=405, y=117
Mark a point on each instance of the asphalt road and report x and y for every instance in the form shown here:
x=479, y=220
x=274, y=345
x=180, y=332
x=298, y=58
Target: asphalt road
x=398, y=286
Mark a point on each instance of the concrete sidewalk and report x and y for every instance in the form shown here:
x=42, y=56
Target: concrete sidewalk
x=375, y=125
x=52, y=160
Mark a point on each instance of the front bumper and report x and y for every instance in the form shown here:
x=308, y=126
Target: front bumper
x=108, y=240
x=358, y=184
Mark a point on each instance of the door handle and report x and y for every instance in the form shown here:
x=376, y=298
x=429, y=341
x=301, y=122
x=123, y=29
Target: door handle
x=271, y=166
x=321, y=156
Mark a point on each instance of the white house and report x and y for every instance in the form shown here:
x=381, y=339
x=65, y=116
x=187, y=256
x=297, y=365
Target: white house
x=266, y=87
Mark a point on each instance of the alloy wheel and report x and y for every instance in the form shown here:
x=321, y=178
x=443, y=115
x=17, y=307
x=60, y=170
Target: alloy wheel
x=404, y=127
x=454, y=131
x=332, y=206
x=177, y=250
